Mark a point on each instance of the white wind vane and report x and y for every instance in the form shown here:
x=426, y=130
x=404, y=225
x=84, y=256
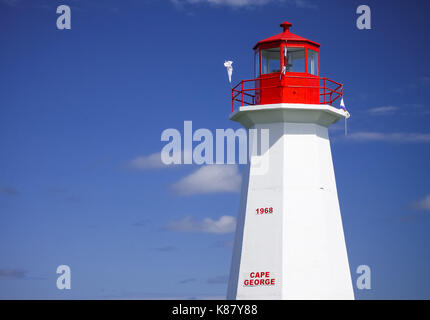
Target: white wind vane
x=229, y=67
x=347, y=115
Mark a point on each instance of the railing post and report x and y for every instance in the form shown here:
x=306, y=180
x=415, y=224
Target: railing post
x=242, y=93
x=325, y=84
x=255, y=93
x=232, y=100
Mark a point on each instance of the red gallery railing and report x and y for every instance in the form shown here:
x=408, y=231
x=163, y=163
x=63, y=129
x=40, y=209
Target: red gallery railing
x=329, y=90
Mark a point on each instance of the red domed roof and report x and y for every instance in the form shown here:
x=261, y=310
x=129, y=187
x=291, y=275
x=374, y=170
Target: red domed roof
x=286, y=35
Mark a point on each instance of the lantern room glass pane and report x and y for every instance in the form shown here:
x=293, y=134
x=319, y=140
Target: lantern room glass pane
x=295, y=59
x=256, y=64
x=312, y=62
x=270, y=60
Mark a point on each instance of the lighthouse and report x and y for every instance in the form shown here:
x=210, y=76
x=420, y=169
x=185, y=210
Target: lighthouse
x=289, y=241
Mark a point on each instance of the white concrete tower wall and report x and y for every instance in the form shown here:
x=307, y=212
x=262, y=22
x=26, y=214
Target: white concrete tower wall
x=297, y=249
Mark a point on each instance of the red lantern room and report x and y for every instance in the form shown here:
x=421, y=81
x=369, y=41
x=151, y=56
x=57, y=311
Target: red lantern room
x=286, y=70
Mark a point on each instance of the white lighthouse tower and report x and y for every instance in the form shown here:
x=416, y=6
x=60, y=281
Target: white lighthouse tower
x=289, y=241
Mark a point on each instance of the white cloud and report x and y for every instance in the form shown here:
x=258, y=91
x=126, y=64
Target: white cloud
x=244, y=3
x=152, y=161
x=383, y=110
x=225, y=224
x=400, y=137
x=210, y=179
x=231, y=3
x=305, y=4
x=423, y=204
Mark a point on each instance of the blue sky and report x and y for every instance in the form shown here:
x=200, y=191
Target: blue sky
x=82, y=111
